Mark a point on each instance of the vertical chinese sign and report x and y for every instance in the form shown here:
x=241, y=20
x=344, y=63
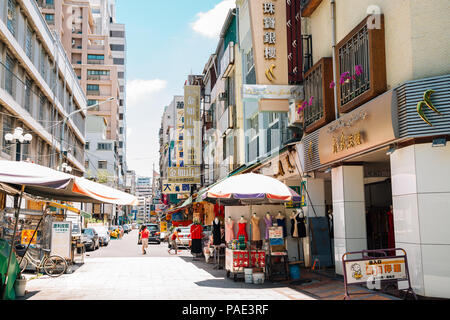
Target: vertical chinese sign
x=269, y=41
x=192, y=126
x=179, y=151
x=61, y=239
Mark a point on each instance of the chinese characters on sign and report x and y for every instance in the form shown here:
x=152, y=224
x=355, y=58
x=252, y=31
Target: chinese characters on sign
x=192, y=132
x=377, y=269
x=186, y=175
x=61, y=239
x=270, y=38
x=346, y=142
x=175, y=188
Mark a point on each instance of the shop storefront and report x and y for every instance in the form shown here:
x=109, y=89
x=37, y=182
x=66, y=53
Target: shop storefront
x=383, y=168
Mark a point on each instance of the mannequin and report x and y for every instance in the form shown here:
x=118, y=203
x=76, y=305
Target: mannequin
x=229, y=230
x=196, y=236
x=268, y=221
x=216, y=231
x=256, y=233
x=281, y=222
x=298, y=228
x=242, y=228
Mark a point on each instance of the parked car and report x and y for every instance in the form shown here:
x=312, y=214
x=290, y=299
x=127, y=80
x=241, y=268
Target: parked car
x=103, y=235
x=92, y=241
x=154, y=235
x=126, y=228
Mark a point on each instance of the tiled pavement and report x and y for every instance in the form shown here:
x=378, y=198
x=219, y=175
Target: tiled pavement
x=121, y=272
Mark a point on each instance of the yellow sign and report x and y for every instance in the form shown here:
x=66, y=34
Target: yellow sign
x=153, y=213
x=192, y=126
x=163, y=226
x=26, y=237
x=175, y=188
x=427, y=102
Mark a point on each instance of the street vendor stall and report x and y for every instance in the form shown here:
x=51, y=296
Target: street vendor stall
x=245, y=248
x=23, y=179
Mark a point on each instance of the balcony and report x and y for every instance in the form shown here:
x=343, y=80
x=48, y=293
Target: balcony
x=98, y=77
x=364, y=47
x=226, y=121
x=90, y=61
x=227, y=60
x=317, y=85
x=307, y=7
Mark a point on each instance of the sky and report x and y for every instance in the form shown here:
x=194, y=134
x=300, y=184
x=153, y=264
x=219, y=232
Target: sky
x=166, y=41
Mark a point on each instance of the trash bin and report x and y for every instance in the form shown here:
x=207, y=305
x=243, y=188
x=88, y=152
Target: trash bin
x=294, y=271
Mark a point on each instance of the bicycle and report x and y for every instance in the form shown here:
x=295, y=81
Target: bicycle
x=53, y=265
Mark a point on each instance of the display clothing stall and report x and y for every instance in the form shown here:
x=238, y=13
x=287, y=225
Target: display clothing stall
x=24, y=179
x=249, y=196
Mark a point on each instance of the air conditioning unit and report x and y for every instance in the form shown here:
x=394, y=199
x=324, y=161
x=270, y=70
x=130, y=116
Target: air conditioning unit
x=223, y=96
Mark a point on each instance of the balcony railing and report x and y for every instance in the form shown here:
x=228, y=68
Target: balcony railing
x=318, y=92
x=96, y=61
x=363, y=47
x=98, y=77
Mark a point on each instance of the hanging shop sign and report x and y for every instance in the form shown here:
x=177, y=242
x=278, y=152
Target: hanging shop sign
x=175, y=188
x=269, y=41
x=61, y=238
x=163, y=226
x=371, y=125
x=189, y=174
x=26, y=237
x=192, y=125
x=258, y=91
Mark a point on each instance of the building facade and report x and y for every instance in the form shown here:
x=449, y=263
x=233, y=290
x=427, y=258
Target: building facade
x=373, y=151
x=38, y=89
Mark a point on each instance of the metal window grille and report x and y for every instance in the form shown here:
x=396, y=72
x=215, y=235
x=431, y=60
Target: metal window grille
x=313, y=88
x=11, y=18
x=355, y=52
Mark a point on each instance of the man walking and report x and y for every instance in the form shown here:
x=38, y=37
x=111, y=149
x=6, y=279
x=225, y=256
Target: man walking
x=144, y=238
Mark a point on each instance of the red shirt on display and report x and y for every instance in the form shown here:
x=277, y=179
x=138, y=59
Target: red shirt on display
x=196, y=231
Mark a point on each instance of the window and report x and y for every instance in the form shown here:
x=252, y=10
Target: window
x=29, y=43
x=91, y=102
x=120, y=116
x=43, y=64
x=119, y=61
x=96, y=57
x=117, y=47
x=103, y=164
x=98, y=72
x=9, y=76
x=92, y=87
x=86, y=164
x=121, y=75
x=117, y=34
x=121, y=129
x=104, y=146
x=273, y=116
x=50, y=18
x=28, y=85
x=11, y=17
x=120, y=144
x=86, y=146
x=122, y=88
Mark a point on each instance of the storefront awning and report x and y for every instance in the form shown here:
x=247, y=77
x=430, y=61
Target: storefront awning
x=50, y=184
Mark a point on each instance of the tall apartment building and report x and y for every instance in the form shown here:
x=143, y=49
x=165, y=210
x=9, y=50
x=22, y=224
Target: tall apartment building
x=144, y=194
x=38, y=89
x=89, y=51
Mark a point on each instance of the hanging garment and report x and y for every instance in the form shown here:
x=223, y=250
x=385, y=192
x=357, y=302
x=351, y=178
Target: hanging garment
x=298, y=227
x=216, y=233
x=242, y=230
x=256, y=233
x=282, y=223
x=196, y=231
x=229, y=231
x=268, y=222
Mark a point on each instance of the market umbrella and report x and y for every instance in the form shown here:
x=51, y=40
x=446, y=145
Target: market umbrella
x=251, y=188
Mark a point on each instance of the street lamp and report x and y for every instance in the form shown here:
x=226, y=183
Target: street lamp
x=18, y=138
x=64, y=126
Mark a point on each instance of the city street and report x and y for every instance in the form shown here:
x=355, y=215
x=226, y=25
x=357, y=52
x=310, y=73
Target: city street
x=120, y=272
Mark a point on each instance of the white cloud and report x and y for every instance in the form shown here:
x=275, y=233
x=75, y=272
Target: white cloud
x=209, y=24
x=140, y=91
